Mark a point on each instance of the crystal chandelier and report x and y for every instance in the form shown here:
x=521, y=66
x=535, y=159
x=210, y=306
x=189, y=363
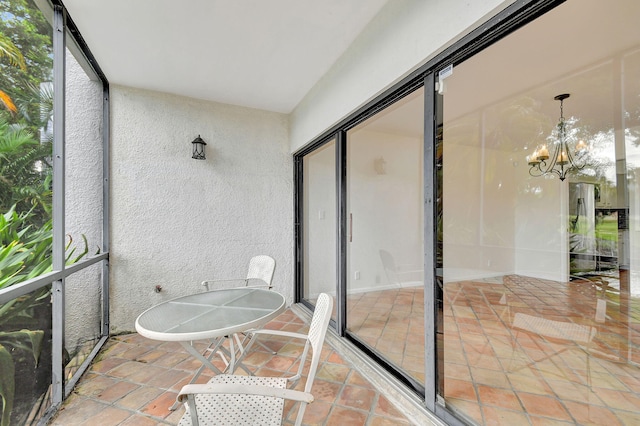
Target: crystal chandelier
x=565, y=158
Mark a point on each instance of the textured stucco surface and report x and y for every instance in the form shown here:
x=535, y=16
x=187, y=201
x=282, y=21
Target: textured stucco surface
x=176, y=221
x=83, y=201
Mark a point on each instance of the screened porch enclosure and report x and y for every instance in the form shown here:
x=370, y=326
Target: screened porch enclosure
x=479, y=290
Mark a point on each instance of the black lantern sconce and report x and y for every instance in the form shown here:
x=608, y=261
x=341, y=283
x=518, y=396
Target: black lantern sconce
x=198, y=148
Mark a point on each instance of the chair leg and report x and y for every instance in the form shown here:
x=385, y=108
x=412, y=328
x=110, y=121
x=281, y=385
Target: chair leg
x=267, y=348
x=253, y=336
x=300, y=413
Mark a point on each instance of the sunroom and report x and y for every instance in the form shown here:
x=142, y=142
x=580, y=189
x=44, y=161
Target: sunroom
x=459, y=176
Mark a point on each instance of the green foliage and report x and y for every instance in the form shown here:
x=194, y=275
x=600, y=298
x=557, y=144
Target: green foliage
x=26, y=237
x=26, y=105
x=22, y=340
x=12, y=53
x=7, y=384
x=23, y=26
x=25, y=173
x=25, y=253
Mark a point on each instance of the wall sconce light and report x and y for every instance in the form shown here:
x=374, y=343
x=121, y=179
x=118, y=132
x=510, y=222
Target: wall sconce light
x=380, y=166
x=198, y=148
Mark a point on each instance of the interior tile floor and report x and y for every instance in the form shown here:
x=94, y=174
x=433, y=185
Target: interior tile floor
x=392, y=323
x=520, y=350
x=135, y=380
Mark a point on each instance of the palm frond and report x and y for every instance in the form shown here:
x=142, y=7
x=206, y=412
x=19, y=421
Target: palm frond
x=10, y=51
x=7, y=102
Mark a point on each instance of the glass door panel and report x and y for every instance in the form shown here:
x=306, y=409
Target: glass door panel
x=541, y=300
x=385, y=295
x=319, y=223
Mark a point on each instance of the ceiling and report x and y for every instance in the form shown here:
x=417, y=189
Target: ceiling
x=264, y=54
x=569, y=50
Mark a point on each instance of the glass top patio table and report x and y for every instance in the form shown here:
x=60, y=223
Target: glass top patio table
x=210, y=315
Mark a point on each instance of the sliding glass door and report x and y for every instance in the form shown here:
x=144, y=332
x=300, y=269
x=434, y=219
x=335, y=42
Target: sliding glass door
x=541, y=290
x=385, y=295
x=379, y=170
x=531, y=277
x=319, y=222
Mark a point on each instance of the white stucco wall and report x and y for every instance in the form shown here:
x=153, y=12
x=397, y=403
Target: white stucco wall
x=176, y=221
x=83, y=202
x=404, y=35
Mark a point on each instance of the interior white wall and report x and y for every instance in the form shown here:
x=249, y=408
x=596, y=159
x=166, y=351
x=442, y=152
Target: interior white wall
x=404, y=35
x=480, y=196
x=541, y=220
x=385, y=207
x=176, y=221
x=498, y=220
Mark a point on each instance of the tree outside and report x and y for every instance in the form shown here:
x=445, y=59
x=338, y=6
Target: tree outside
x=26, y=61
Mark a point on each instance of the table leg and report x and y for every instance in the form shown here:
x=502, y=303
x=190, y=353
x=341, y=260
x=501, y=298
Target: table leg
x=236, y=356
x=206, y=362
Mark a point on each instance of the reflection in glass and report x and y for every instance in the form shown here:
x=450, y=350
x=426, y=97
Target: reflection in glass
x=319, y=207
x=385, y=289
x=541, y=307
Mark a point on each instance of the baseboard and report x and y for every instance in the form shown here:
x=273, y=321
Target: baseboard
x=407, y=284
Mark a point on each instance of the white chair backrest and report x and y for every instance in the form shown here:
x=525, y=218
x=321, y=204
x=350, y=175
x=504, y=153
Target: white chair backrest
x=261, y=267
x=317, y=332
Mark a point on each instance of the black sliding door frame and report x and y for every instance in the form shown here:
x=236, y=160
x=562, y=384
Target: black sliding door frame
x=514, y=16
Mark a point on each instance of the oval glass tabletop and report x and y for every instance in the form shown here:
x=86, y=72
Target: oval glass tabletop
x=210, y=314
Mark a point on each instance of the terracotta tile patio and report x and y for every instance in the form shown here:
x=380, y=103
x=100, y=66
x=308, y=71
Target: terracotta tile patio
x=135, y=380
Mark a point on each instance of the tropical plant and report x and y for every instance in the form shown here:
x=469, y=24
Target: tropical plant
x=25, y=340
x=25, y=61
x=26, y=237
x=25, y=253
x=25, y=174
x=12, y=53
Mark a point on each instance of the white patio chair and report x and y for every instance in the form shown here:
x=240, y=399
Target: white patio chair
x=260, y=273
x=249, y=400
x=396, y=274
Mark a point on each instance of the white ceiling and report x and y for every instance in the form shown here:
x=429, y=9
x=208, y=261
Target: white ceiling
x=264, y=54
x=569, y=50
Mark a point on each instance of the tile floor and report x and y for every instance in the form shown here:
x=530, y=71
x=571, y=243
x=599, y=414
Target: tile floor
x=529, y=351
x=391, y=322
x=134, y=380
x=518, y=350
x=568, y=362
